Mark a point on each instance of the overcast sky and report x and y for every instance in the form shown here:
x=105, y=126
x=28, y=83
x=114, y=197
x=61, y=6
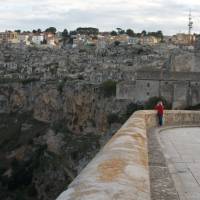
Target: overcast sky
x=170, y=16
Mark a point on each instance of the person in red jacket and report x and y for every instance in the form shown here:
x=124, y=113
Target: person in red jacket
x=160, y=109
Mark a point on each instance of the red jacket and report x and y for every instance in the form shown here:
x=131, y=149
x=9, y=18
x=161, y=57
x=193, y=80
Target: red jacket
x=159, y=108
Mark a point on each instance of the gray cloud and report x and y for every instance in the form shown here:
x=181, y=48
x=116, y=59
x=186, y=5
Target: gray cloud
x=170, y=16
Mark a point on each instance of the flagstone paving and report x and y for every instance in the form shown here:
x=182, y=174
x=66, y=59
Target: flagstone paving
x=174, y=158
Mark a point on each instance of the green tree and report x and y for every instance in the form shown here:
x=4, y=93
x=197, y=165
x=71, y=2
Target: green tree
x=120, y=31
x=72, y=33
x=150, y=104
x=113, y=33
x=160, y=35
x=131, y=108
x=65, y=33
x=71, y=40
x=87, y=30
x=60, y=86
x=143, y=33
x=51, y=30
x=26, y=32
x=109, y=88
x=130, y=32
x=18, y=31
x=65, y=36
x=113, y=118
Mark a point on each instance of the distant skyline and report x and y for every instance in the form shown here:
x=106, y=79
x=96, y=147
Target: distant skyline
x=170, y=16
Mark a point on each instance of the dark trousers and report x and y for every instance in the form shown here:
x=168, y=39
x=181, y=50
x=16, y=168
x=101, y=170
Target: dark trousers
x=160, y=119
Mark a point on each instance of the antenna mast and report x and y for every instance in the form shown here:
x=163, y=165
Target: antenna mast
x=190, y=25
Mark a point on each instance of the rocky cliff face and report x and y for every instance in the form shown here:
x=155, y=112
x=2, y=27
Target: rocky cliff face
x=36, y=160
x=83, y=106
x=49, y=131
x=87, y=63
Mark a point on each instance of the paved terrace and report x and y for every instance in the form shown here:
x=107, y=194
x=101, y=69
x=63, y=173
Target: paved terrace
x=179, y=176
x=142, y=162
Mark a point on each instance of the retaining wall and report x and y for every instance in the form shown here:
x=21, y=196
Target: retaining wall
x=120, y=170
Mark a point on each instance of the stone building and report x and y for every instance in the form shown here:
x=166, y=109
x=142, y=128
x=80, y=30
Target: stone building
x=37, y=38
x=183, y=39
x=24, y=38
x=179, y=88
x=9, y=37
x=149, y=40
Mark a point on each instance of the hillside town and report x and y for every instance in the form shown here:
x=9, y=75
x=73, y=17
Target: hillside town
x=83, y=37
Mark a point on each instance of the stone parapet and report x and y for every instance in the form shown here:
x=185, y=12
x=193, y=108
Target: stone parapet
x=120, y=170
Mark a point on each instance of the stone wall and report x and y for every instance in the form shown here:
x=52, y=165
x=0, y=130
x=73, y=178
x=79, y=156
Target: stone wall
x=166, y=90
x=180, y=89
x=146, y=89
x=167, y=75
x=180, y=94
x=126, y=90
x=120, y=170
x=138, y=91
